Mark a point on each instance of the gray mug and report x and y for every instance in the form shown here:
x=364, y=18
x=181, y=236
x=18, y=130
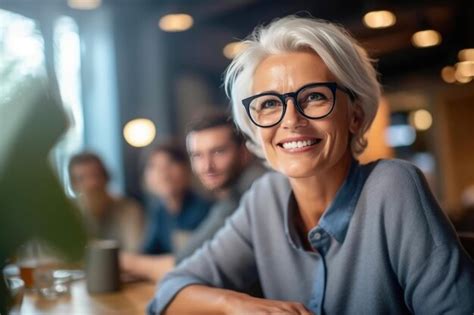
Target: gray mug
x=102, y=266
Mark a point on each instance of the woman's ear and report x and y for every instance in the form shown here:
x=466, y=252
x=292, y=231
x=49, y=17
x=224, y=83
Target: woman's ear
x=356, y=118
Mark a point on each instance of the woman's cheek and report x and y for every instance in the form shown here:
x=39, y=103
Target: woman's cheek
x=268, y=150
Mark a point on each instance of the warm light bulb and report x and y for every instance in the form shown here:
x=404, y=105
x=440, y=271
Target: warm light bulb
x=421, y=119
x=233, y=49
x=176, y=22
x=379, y=19
x=447, y=73
x=460, y=77
x=465, y=68
x=84, y=4
x=139, y=132
x=426, y=38
x=466, y=54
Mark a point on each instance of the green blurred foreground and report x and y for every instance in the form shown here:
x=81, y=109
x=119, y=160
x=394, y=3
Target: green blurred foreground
x=32, y=201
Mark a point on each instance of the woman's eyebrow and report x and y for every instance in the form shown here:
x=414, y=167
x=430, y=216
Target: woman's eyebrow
x=268, y=91
x=297, y=89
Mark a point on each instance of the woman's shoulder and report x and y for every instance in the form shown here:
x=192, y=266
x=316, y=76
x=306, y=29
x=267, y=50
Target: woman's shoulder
x=399, y=189
x=397, y=193
x=394, y=173
x=393, y=165
x=397, y=183
x=267, y=196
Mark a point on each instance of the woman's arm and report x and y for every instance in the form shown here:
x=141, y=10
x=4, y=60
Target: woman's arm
x=218, y=276
x=198, y=299
x=227, y=261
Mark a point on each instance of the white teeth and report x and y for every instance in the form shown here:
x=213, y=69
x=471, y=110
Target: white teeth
x=298, y=144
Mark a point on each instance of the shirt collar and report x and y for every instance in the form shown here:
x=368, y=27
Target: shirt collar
x=337, y=216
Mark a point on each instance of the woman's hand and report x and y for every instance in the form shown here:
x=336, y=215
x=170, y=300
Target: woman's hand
x=199, y=299
x=239, y=303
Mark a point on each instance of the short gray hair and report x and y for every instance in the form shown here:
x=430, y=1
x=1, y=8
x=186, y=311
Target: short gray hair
x=343, y=56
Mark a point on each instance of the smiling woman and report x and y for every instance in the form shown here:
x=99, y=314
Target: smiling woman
x=324, y=234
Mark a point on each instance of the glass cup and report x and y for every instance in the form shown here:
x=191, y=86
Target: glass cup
x=51, y=283
x=38, y=265
x=28, y=259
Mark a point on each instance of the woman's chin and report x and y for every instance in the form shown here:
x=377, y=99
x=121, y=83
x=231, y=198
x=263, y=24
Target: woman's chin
x=296, y=171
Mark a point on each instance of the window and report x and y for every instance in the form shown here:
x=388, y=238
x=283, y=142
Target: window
x=67, y=64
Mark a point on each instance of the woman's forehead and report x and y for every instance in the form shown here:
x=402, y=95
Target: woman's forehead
x=289, y=71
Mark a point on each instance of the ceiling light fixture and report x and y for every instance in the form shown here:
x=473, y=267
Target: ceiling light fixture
x=421, y=119
x=379, y=19
x=447, y=74
x=426, y=38
x=139, y=132
x=84, y=4
x=460, y=77
x=233, y=49
x=465, y=68
x=178, y=22
x=425, y=35
x=466, y=54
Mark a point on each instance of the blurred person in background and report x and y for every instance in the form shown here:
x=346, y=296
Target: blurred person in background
x=175, y=206
x=107, y=216
x=174, y=211
x=225, y=168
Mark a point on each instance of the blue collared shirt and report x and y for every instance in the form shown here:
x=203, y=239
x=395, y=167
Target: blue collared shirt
x=162, y=223
x=332, y=226
x=382, y=247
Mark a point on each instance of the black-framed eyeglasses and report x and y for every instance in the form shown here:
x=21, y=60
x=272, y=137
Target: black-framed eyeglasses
x=313, y=101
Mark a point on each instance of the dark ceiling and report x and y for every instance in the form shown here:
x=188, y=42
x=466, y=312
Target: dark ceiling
x=218, y=22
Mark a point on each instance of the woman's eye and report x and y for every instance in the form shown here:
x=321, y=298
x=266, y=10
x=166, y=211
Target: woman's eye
x=269, y=104
x=315, y=97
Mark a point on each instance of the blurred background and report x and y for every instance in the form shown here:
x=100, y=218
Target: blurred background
x=132, y=72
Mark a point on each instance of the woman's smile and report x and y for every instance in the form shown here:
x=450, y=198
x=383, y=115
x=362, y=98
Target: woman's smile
x=299, y=144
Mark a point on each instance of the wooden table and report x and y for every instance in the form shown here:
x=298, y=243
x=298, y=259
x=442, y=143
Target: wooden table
x=132, y=299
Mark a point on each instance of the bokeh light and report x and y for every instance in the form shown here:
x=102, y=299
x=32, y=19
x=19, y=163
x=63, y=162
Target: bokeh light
x=379, y=19
x=176, y=22
x=139, y=132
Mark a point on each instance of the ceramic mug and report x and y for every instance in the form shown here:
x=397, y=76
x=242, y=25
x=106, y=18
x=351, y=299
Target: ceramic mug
x=102, y=266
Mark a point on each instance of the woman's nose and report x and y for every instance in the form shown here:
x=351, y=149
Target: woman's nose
x=292, y=117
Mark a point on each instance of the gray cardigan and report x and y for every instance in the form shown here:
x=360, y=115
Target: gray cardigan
x=382, y=247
